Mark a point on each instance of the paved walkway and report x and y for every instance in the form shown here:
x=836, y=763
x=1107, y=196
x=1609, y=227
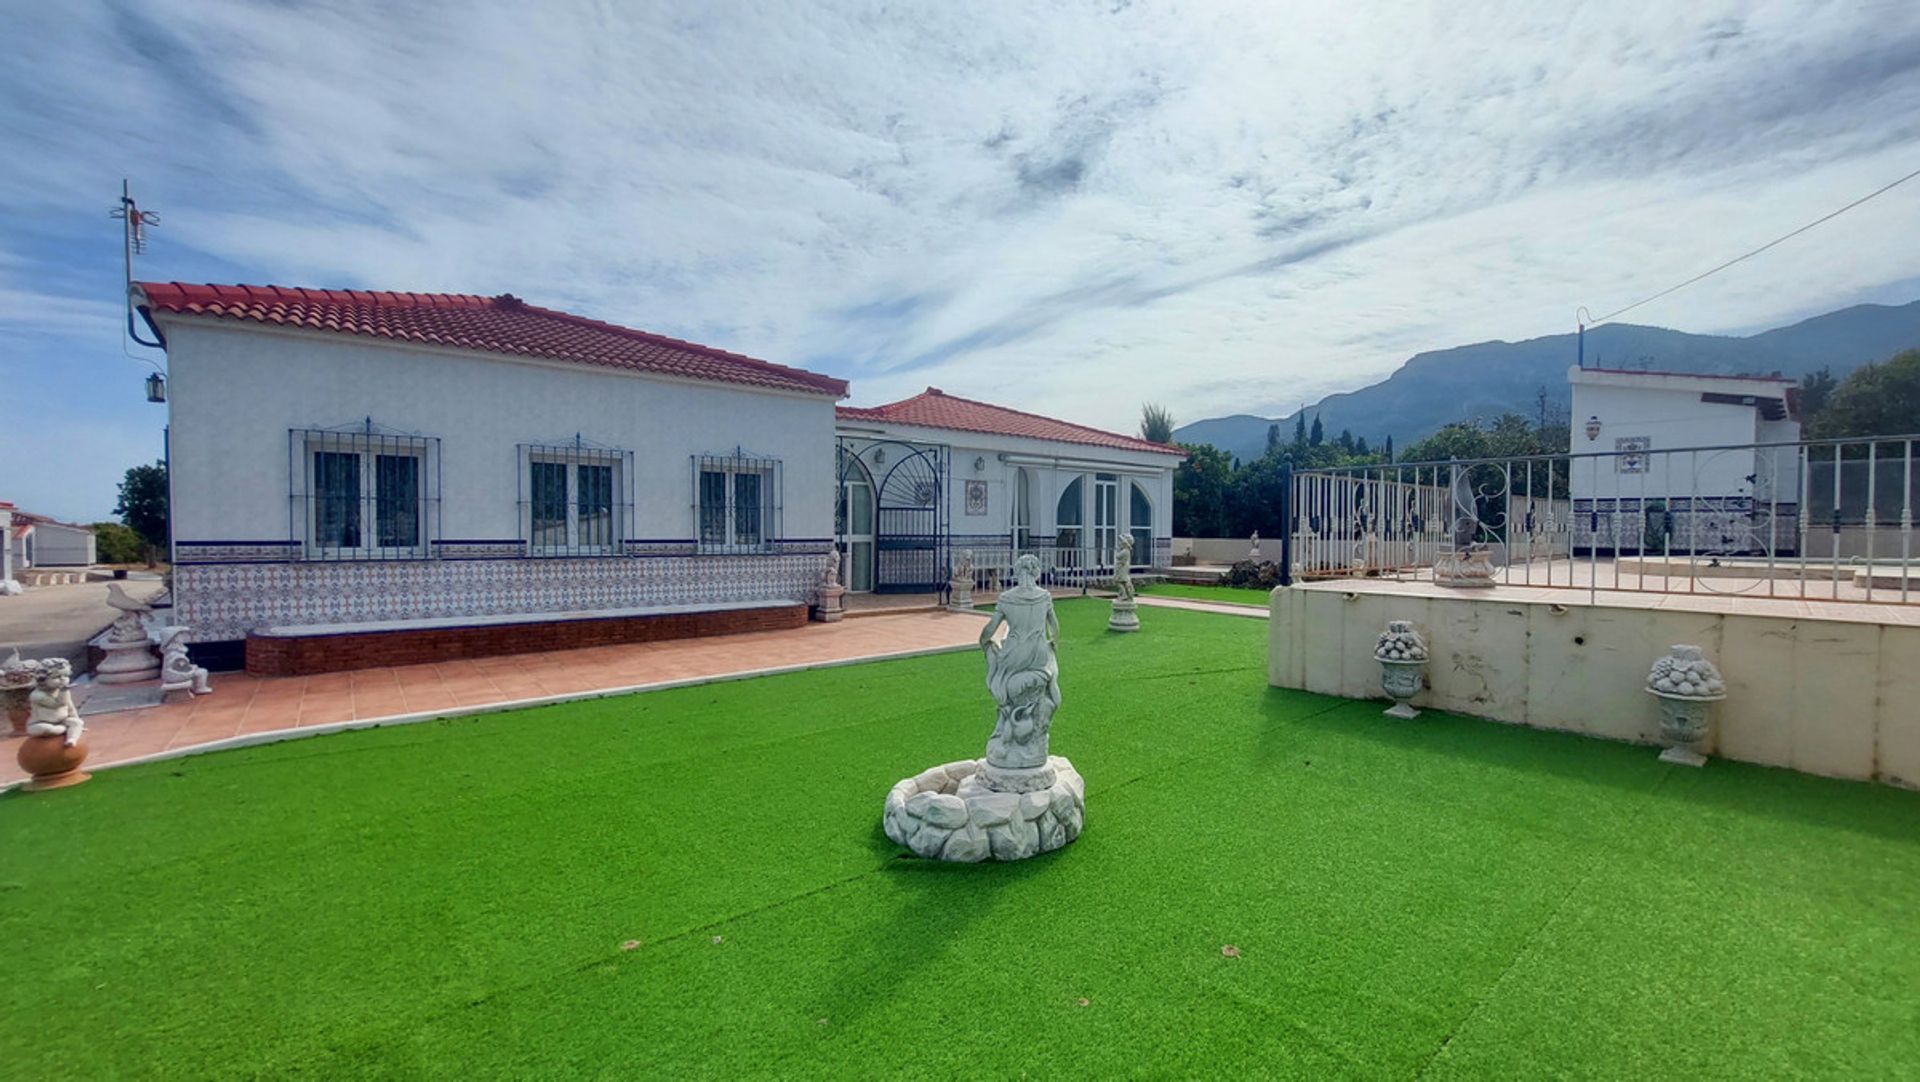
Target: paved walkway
x=255, y=709
x=1226, y=608
x=50, y=620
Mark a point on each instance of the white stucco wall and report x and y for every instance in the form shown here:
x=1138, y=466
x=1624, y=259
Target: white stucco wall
x=1668, y=412
x=1824, y=696
x=55, y=545
x=236, y=391
x=1052, y=466
x=6, y=544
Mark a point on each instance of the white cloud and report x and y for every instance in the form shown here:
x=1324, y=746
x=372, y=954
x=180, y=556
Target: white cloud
x=1226, y=207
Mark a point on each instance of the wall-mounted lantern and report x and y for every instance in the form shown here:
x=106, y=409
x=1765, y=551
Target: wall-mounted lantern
x=156, y=388
x=979, y=463
x=1593, y=427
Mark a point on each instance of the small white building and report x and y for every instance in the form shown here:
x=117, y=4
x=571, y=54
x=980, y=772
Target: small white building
x=926, y=478
x=1673, y=462
x=38, y=541
x=358, y=463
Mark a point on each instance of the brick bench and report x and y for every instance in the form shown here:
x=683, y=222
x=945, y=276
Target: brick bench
x=302, y=651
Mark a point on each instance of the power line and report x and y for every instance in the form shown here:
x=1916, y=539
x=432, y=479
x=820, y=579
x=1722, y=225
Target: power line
x=1772, y=243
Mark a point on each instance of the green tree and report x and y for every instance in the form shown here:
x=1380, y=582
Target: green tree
x=115, y=543
x=1388, y=450
x=1300, y=429
x=1156, y=423
x=1816, y=388
x=1200, y=492
x=1316, y=434
x=143, y=505
x=1273, y=438
x=1874, y=400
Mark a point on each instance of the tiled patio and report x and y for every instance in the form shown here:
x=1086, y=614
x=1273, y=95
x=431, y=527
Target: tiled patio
x=243, y=705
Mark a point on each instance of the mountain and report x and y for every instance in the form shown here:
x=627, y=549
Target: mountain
x=1490, y=378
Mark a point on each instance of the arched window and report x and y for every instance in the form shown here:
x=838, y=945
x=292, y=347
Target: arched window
x=1069, y=516
x=1140, y=525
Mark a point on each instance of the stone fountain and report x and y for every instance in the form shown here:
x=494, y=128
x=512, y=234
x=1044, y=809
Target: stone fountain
x=1017, y=801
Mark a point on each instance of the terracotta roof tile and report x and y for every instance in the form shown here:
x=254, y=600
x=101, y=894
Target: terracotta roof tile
x=503, y=324
x=934, y=408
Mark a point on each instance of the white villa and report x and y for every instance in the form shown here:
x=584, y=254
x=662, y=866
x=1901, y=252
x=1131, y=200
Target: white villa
x=365, y=478
x=1729, y=499
x=929, y=477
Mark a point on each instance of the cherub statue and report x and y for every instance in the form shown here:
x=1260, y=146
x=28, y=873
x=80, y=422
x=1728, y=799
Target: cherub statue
x=830, y=574
x=50, y=708
x=1123, y=567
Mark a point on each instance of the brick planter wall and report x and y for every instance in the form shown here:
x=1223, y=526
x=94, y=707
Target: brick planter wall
x=301, y=655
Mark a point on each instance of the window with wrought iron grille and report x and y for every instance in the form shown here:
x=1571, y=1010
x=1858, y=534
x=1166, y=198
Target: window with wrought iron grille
x=736, y=502
x=576, y=498
x=363, y=493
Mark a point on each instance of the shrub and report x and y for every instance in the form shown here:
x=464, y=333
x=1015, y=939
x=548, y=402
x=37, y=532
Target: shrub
x=1264, y=575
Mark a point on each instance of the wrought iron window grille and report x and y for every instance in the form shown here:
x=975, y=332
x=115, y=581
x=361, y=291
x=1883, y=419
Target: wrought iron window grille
x=737, y=502
x=362, y=491
x=575, y=497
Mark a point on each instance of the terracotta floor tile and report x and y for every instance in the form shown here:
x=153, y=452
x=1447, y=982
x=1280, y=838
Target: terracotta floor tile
x=247, y=704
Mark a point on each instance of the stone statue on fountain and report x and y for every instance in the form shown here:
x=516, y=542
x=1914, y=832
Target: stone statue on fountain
x=1019, y=800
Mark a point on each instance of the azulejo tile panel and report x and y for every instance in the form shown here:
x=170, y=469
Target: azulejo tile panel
x=222, y=602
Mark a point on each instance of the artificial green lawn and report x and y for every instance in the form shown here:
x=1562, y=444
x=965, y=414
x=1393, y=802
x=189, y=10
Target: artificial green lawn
x=1232, y=595
x=1447, y=897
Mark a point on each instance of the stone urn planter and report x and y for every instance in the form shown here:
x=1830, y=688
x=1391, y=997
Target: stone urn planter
x=1402, y=655
x=53, y=764
x=16, y=683
x=1686, y=685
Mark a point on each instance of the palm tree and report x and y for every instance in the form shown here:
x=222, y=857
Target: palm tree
x=1156, y=423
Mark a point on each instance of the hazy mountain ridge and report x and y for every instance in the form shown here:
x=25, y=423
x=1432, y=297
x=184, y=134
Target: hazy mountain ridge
x=1486, y=379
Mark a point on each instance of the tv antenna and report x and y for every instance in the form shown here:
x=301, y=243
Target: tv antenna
x=133, y=226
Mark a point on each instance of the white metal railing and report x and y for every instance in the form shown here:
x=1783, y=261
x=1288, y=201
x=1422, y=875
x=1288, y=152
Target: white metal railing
x=1818, y=519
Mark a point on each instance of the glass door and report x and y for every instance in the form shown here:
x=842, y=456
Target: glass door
x=856, y=533
x=1106, y=518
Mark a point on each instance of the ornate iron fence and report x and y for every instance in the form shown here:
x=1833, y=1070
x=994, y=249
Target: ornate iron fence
x=1819, y=519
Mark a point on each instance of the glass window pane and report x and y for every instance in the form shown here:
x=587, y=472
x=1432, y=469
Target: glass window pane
x=596, y=505
x=397, y=500
x=336, y=499
x=547, y=487
x=1068, y=513
x=713, y=507
x=862, y=497
x=746, y=508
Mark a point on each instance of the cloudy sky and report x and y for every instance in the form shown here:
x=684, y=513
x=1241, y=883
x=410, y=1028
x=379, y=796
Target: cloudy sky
x=1225, y=207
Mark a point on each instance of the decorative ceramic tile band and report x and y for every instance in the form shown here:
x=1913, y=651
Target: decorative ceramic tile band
x=232, y=552
x=221, y=602
x=479, y=550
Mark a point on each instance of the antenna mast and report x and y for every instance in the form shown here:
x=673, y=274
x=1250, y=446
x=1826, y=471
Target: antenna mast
x=134, y=223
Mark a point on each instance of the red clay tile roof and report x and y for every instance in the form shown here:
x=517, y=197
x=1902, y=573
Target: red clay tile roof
x=934, y=408
x=503, y=324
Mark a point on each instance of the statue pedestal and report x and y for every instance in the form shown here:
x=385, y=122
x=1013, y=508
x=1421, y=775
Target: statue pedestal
x=52, y=763
x=954, y=812
x=960, y=595
x=127, y=663
x=830, y=606
x=1125, y=615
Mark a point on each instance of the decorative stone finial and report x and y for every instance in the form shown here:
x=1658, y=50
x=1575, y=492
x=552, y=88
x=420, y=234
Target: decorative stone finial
x=1686, y=685
x=1402, y=655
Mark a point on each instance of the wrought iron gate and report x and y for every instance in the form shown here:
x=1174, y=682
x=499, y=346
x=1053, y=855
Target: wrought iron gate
x=910, y=518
